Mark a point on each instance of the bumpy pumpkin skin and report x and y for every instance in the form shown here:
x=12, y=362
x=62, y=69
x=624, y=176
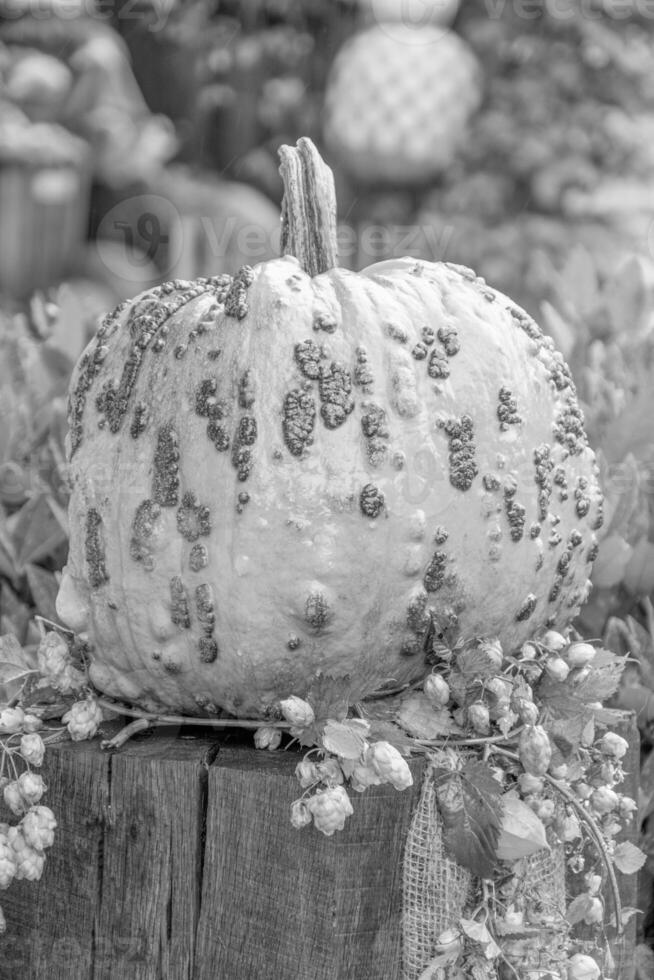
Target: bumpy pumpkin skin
x=305, y=473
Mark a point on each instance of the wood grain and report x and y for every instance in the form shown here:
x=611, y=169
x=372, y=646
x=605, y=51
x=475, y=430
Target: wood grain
x=50, y=923
x=173, y=863
x=150, y=895
x=293, y=904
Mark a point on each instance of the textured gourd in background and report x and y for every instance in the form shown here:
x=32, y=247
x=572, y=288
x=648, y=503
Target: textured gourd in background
x=304, y=470
x=398, y=103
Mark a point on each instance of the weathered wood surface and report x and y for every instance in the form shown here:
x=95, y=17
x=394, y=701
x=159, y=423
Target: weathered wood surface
x=296, y=905
x=175, y=859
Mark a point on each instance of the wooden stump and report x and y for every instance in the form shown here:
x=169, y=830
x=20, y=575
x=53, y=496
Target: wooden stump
x=175, y=859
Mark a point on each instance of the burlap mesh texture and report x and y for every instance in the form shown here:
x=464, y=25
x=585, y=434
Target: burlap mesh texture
x=437, y=892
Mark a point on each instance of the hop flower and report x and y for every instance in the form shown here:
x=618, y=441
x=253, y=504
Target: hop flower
x=29, y=862
x=528, y=651
x=553, y=641
x=580, y=654
x=527, y=711
x=32, y=749
x=627, y=806
x=604, y=800
x=557, y=668
x=570, y=829
x=593, y=883
x=300, y=814
x=7, y=862
x=298, y=712
x=31, y=787
x=613, y=745
x=529, y=783
x=389, y=765
x=500, y=697
x=330, y=808
x=364, y=775
x=14, y=798
x=594, y=912
x=38, y=826
x=479, y=718
x=437, y=690
x=583, y=790
x=535, y=750
x=56, y=664
x=307, y=773
x=330, y=771
x=83, y=719
x=545, y=810
x=32, y=723
x=11, y=720
x=582, y=967
x=267, y=738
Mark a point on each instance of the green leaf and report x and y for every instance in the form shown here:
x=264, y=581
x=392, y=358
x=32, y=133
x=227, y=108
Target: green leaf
x=521, y=833
x=628, y=858
x=15, y=667
x=386, y=731
x=419, y=717
x=329, y=696
x=37, y=533
x=346, y=739
x=626, y=297
x=470, y=807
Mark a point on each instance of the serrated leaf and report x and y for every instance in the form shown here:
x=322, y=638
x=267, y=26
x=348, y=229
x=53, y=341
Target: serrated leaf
x=329, y=696
x=479, y=933
x=386, y=731
x=521, y=832
x=473, y=663
x=628, y=858
x=346, y=739
x=579, y=908
x=471, y=811
x=420, y=718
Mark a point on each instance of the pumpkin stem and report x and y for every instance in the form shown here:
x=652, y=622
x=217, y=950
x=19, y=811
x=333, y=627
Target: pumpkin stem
x=308, y=207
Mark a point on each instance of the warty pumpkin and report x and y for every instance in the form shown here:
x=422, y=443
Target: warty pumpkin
x=302, y=470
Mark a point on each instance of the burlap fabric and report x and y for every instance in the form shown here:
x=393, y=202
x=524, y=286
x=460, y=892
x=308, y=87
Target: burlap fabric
x=437, y=891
